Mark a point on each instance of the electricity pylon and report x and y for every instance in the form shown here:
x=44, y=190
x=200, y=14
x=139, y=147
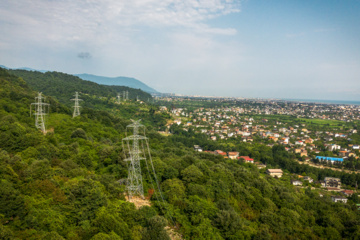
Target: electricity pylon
x=118, y=98
x=40, y=112
x=138, y=149
x=135, y=153
x=76, y=106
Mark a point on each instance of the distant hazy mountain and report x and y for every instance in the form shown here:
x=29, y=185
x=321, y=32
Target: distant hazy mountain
x=117, y=81
x=24, y=68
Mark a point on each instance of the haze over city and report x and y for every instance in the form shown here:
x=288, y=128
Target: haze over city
x=268, y=49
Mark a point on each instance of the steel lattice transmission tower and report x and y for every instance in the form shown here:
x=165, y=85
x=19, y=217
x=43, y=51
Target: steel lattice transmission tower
x=135, y=153
x=137, y=147
x=76, y=106
x=40, y=112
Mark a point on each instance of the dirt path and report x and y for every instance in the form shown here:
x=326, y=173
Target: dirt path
x=323, y=167
x=139, y=202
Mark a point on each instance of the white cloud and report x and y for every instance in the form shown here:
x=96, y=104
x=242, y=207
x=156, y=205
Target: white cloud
x=116, y=32
x=84, y=19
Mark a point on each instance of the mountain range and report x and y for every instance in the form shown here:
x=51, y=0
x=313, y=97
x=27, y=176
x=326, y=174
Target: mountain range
x=117, y=81
x=114, y=81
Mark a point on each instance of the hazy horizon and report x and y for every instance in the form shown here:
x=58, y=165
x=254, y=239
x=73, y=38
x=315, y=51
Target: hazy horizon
x=265, y=49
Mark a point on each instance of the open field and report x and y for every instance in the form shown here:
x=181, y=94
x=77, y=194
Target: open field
x=323, y=122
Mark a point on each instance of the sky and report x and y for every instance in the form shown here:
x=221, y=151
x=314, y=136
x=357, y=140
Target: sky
x=249, y=48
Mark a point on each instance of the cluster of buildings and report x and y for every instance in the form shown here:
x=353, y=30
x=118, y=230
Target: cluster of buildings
x=282, y=107
x=230, y=155
x=297, y=137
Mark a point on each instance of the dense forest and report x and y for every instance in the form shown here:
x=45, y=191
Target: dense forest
x=63, y=185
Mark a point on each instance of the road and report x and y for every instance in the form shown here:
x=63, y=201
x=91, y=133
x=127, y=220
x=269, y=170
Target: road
x=323, y=167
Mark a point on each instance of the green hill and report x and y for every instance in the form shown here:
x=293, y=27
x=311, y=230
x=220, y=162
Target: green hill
x=63, y=185
x=63, y=86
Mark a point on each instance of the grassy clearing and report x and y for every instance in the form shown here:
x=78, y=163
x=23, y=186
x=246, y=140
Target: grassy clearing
x=323, y=122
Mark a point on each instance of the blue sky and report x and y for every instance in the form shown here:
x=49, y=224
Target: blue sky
x=252, y=48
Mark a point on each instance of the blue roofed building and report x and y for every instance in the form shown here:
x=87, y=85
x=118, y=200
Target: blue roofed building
x=329, y=159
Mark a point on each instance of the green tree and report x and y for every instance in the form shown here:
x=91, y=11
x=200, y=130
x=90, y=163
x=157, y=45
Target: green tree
x=192, y=174
x=154, y=229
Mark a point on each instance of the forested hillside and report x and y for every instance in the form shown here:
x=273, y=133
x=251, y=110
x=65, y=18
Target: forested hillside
x=63, y=86
x=63, y=185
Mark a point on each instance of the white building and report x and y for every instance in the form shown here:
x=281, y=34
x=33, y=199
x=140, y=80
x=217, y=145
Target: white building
x=339, y=199
x=296, y=182
x=275, y=172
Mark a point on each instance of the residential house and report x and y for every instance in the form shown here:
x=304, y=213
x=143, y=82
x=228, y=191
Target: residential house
x=260, y=165
x=275, y=139
x=177, y=121
x=233, y=155
x=329, y=139
x=297, y=150
x=309, y=179
x=316, y=151
x=285, y=140
x=163, y=108
x=303, y=153
x=219, y=152
x=247, y=159
x=197, y=148
x=275, y=172
x=348, y=192
x=331, y=182
x=342, y=153
x=339, y=199
x=333, y=147
x=296, y=182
